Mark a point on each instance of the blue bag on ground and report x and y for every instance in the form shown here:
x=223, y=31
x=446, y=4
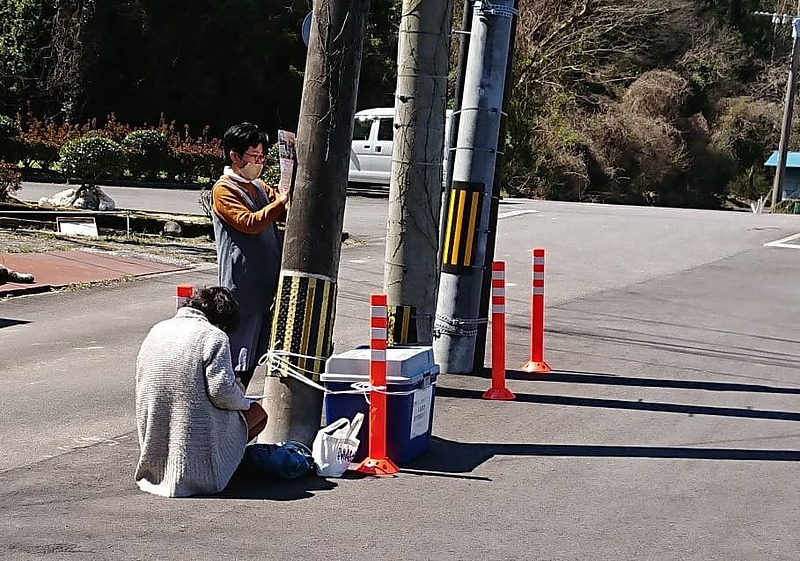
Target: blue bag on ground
x=282, y=460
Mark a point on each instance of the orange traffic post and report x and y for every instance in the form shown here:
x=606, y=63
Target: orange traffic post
x=377, y=462
x=537, y=364
x=498, y=389
x=183, y=293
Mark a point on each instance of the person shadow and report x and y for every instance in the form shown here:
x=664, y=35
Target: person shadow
x=246, y=486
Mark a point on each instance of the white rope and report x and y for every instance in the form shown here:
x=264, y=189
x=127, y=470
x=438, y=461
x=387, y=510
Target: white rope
x=274, y=359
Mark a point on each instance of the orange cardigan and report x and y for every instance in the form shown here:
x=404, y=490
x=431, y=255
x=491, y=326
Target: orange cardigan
x=230, y=207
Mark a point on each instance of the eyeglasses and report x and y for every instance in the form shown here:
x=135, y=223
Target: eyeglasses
x=257, y=158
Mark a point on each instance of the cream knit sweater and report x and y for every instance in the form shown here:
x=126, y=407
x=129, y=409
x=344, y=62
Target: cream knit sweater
x=191, y=432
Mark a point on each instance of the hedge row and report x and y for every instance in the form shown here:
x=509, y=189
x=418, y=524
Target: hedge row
x=88, y=153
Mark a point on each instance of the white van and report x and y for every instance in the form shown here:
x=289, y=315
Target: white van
x=371, y=154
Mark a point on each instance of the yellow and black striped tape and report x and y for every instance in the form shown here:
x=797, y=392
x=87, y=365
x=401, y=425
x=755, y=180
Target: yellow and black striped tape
x=302, y=324
x=461, y=225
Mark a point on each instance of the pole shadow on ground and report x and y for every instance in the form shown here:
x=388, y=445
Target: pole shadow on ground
x=572, y=377
x=677, y=345
x=630, y=405
x=448, y=456
x=6, y=322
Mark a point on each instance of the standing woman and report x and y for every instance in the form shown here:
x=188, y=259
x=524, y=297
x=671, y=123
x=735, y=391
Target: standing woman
x=245, y=213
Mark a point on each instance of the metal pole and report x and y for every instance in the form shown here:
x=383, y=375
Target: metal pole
x=786, y=124
x=412, y=236
x=302, y=325
x=467, y=203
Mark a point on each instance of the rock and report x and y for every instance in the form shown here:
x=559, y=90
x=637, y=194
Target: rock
x=87, y=201
x=106, y=202
x=60, y=199
x=172, y=229
x=88, y=198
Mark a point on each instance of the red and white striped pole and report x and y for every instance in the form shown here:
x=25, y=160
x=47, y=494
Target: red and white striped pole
x=182, y=294
x=498, y=389
x=377, y=462
x=537, y=363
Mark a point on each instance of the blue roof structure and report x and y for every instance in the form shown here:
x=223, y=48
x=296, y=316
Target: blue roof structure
x=792, y=160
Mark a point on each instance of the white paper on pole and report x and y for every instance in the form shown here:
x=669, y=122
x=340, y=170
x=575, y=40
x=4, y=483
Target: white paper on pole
x=421, y=411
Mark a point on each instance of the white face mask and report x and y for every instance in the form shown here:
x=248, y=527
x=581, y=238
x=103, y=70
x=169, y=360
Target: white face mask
x=251, y=171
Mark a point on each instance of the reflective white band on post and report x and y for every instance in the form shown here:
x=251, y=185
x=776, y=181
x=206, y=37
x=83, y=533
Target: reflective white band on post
x=537, y=290
x=498, y=309
x=378, y=355
x=377, y=311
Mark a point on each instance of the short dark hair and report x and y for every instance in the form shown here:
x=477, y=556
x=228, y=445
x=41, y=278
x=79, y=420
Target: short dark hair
x=218, y=305
x=240, y=137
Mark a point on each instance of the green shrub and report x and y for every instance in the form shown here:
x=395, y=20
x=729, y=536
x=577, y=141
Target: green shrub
x=40, y=140
x=91, y=158
x=9, y=139
x=657, y=93
x=37, y=150
x=751, y=184
x=272, y=166
x=10, y=180
x=748, y=130
x=146, y=153
x=8, y=127
x=195, y=161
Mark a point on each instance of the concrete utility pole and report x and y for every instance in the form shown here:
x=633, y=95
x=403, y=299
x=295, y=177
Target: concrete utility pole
x=788, y=106
x=468, y=201
x=306, y=300
x=461, y=71
x=411, y=270
x=480, y=340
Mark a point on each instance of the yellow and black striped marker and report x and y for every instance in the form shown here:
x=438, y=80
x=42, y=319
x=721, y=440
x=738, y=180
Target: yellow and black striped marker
x=403, y=326
x=302, y=324
x=461, y=225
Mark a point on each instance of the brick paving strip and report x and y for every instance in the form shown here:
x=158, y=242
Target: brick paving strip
x=57, y=269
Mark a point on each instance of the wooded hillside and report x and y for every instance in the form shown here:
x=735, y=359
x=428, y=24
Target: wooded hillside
x=669, y=102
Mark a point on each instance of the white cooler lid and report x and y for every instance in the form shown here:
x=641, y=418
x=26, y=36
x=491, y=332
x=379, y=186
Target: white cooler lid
x=404, y=365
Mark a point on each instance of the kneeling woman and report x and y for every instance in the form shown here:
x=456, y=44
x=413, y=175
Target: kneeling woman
x=192, y=416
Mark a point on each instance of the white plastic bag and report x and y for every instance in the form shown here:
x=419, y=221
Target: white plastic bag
x=336, y=445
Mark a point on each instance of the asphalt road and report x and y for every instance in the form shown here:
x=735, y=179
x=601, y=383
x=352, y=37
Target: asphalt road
x=365, y=217
x=158, y=200
x=666, y=432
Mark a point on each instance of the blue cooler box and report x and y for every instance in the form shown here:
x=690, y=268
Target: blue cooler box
x=409, y=418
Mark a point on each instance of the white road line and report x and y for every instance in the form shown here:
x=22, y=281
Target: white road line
x=516, y=213
x=783, y=242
